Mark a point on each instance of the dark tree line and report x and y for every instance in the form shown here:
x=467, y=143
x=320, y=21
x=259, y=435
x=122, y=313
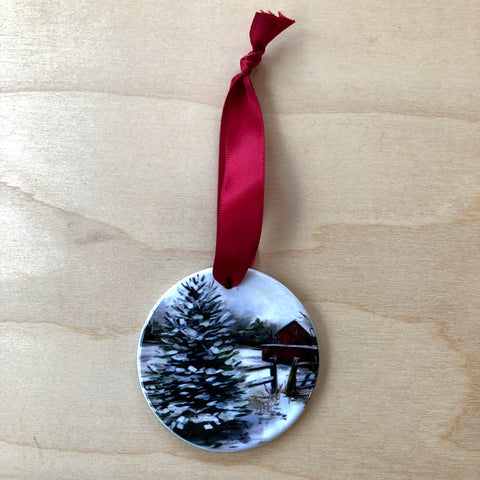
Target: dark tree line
x=255, y=334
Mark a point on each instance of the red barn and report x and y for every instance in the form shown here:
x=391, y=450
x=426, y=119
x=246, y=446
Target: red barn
x=294, y=341
x=294, y=334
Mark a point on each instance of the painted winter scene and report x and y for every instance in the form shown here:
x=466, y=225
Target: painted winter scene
x=228, y=369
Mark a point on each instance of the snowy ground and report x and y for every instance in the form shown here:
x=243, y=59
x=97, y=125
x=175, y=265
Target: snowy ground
x=271, y=413
x=148, y=352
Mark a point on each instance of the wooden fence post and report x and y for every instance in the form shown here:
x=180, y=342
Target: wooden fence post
x=292, y=379
x=273, y=374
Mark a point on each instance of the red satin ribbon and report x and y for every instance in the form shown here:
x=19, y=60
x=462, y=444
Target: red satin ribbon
x=241, y=175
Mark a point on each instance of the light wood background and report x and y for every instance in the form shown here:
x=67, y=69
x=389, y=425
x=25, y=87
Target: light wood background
x=109, y=121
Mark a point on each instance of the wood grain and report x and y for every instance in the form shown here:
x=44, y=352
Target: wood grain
x=109, y=120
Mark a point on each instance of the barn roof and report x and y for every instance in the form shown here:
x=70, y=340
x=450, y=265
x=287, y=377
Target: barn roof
x=290, y=323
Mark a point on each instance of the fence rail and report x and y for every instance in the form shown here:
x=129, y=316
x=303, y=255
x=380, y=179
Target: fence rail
x=272, y=379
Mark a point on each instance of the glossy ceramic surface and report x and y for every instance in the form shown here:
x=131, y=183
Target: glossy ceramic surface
x=228, y=369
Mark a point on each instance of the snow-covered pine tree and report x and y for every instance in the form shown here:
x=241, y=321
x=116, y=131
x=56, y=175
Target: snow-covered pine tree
x=195, y=385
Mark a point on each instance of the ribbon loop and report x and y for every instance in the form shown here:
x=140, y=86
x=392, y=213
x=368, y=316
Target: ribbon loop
x=242, y=162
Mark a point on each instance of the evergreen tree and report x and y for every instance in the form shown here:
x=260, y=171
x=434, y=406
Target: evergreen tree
x=195, y=385
x=256, y=334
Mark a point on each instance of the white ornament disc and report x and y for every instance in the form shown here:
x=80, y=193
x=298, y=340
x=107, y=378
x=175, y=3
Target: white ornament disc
x=228, y=369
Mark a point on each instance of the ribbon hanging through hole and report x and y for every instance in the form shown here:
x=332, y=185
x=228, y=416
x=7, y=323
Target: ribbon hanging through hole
x=241, y=177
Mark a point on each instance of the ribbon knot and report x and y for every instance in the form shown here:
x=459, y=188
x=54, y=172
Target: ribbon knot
x=251, y=60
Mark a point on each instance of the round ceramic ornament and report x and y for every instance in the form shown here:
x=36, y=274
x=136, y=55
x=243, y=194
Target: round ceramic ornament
x=228, y=357
x=228, y=369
